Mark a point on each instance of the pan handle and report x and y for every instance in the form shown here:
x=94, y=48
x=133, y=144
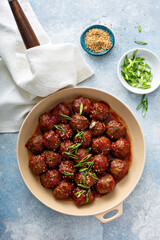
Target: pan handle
x=119, y=209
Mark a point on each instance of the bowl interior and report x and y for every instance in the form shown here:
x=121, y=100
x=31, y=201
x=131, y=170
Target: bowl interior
x=104, y=28
x=153, y=61
x=122, y=189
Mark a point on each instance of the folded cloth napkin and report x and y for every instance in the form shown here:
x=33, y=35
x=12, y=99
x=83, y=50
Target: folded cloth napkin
x=28, y=75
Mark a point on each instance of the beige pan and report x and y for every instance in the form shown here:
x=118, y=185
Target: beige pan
x=100, y=206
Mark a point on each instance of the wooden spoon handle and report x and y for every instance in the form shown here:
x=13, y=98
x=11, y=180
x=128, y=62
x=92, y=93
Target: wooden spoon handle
x=26, y=31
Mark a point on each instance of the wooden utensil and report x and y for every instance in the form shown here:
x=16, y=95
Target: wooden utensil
x=29, y=38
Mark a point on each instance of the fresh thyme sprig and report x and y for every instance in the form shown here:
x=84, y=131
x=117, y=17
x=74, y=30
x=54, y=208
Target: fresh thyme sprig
x=143, y=105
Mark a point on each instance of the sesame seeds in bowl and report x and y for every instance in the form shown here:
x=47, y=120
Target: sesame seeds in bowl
x=97, y=40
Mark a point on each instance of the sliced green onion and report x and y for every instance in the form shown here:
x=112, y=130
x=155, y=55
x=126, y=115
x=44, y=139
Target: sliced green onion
x=60, y=128
x=83, y=186
x=88, y=195
x=139, y=29
x=79, y=193
x=136, y=72
x=143, y=105
x=67, y=173
x=93, y=175
x=92, y=125
x=81, y=109
x=140, y=42
x=71, y=155
x=65, y=116
x=80, y=133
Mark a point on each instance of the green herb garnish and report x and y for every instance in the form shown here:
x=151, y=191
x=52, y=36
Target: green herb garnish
x=80, y=133
x=79, y=193
x=140, y=42
x=136, y=72
x=83, y=161
x=60, y=128
x=143, y=105
x=83, y=186
x=88, y=194
x=65, y=116
x=92, y=125
x=81, y=109
x=71, y=155
x=93, y=175
x=67, y=173
x=139, y=29
x=88, y=150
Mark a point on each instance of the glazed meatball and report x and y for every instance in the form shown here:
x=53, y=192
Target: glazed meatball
x=83, y=154
x=50, y=179
x=47, y=122
x=88, y=179
x=97, y=127
x=99, y=111
x=118, y=168
x=84, y=102
x=37, y=164
x=51, y=140
x=52, y=158
x=82, y=196
x=35, y=144
x=65, y=148
x=84, y=137
x=115, y=130
x=61, y=109
x=67, y=169
x=64, y=190
x=79, y=122
x=101, y=145
x=64, y=131
x=100, y=163
x=105, y=184
x=120, y=148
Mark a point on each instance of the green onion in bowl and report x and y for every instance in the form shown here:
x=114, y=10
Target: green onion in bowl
x=139, y=71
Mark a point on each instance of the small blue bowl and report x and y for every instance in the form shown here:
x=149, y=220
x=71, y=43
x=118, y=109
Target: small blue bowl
x=110, y=33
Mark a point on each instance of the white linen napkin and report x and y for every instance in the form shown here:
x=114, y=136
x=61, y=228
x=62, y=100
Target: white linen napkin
x=28, y=75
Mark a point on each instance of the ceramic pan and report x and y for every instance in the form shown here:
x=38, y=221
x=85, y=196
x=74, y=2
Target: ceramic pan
x=100, y=206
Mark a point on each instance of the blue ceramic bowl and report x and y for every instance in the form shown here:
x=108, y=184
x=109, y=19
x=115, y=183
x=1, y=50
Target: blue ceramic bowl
x=82, y=39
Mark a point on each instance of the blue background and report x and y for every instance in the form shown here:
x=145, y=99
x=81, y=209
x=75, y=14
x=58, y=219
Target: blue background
x=24, y=217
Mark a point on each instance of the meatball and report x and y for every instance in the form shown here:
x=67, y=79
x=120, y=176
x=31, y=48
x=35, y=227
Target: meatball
x=64, y=131
x=82, y=196
x=50, y=179
x=115, y=130
x=64, y=190
x=98, y=128
x=61, y=109
x=47, y=122
x=88, y=179
x=101, y=145
x=99, y=111
x=84, y=137
x=105, y=184
x=65, y=148
x=35, y=144
x=100, y=163
x=79, y=122
x=67, y=169
x=51, y=140
x=37, y=164
x=82, y=153
x=52, y=158
x=118, y=168
x=84, y=102
x=120, y=148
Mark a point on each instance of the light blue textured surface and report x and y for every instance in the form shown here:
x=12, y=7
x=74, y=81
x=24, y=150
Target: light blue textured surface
x=24, y=217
